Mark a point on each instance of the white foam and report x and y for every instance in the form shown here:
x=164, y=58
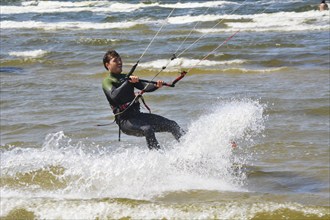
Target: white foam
x=29, y=54
x=228, y=122
x=44, y=208
x=65, y=7
x=202, y=160
x=127, y=7
x=190, y=19
x=97, y=6
x=197, y=4
x=245, y=70
x=280, y=21
x=186, y=63
x=65, y=25
x=58, y=4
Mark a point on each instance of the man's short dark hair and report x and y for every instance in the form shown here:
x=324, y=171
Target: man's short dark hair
x=108, y=56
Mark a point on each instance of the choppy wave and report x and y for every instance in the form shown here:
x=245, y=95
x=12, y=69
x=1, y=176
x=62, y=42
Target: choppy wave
x=25, y=61
x=65, y=7
x=10, y=69
x=97, y=41
x=173, y=72
x=29, y=54
x=197, y=4
x=280, y=21
x=65, y=25
x=245, y=70
x=186, y=63
x=205, y=67
x=97, y=6
x=140, y=209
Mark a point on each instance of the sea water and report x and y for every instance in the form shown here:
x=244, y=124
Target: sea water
x=266, y=88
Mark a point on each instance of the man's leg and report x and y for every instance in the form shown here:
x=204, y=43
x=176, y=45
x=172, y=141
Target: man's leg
x=162, y=124
x=137, y=126
x=149, y=133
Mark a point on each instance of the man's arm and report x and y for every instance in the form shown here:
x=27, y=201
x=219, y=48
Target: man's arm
x=122, y=94
x=147, y=87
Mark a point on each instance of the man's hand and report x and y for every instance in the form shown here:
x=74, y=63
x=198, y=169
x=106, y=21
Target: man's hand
x=159, y=83
x=133, y=79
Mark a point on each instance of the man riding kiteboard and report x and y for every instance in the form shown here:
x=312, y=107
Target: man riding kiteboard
x=119, y=91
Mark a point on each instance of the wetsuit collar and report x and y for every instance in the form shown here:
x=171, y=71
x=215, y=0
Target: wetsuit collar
x=116, y=75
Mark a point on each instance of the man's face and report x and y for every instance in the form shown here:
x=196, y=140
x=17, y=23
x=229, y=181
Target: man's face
x=115, y=65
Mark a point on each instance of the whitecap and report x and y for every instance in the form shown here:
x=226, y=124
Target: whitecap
x=29, y=54
x=65, y=25
x=186, y=63
x=280, y=21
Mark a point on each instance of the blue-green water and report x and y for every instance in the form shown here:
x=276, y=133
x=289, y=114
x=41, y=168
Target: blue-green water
x=267, y=88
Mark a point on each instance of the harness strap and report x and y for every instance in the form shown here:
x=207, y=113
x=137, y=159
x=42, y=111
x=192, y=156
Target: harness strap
x=119, y=131
x=120, y=107
x=145, y=104
x=123, y=107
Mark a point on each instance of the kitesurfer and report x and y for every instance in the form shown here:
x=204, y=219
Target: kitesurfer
x=119, y=91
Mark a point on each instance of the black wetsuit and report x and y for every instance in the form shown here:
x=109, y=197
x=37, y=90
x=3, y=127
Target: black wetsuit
x=120, y=94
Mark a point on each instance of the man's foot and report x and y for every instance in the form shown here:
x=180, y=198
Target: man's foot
x=156, y=147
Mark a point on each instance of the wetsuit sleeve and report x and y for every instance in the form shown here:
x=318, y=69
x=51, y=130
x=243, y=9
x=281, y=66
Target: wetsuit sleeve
x=120, y=93
x=106, y=86
x=116, y=93
x=149, y=88
x=124, y=93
